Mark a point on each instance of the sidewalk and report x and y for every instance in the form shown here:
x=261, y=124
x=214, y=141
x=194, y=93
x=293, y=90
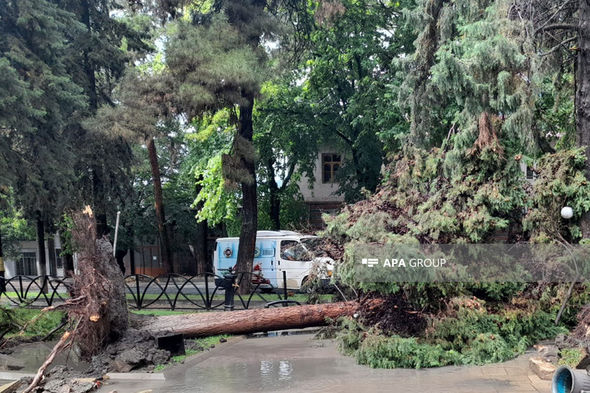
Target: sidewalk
x=300, y=363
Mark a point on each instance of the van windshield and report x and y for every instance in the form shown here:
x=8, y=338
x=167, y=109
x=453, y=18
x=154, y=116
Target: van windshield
x=292, y=250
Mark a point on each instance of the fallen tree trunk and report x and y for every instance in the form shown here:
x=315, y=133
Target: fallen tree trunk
x=251, y=321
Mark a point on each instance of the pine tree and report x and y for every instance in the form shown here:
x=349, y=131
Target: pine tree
x=34, y=38
x=218, y=61
x=97, y=60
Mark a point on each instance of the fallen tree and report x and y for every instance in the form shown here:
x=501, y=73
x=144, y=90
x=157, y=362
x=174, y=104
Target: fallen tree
x=251, y=321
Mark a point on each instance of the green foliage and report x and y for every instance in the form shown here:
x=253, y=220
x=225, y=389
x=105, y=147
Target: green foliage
x=294, y=213
x=347, y=87
x=218, y=204
x=213, y=64
x=420, y=203
x=35, y=37
x=13, y=226
x=470, y=59
x=471, y=336
x=213, y=136
x=571, y=357
x=561, y=181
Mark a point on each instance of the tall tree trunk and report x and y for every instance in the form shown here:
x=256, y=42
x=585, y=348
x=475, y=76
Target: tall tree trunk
x=132, y=251
x=102, y=228
x=88, y=67
x=200, y=248
x=2, y=269
x=120, y=258
x=159, y=205
x=51, y=254
x=68, y=259
x=275, y=207
x=200, y=251
x=42, y=261
x=274, y=196
x=583, y=94
x=131, y=261
x=249, y=199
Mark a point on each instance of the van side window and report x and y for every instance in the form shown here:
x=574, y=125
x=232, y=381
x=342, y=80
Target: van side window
x=292, y=250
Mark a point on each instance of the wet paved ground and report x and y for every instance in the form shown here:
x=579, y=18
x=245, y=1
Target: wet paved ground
x=300, y=363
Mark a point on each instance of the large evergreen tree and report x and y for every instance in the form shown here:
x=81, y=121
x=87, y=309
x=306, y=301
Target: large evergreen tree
x=34, y=40
x=97, y=60
x=218, y=61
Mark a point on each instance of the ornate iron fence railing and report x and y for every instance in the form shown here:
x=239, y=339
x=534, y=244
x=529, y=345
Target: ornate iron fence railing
x=172, y=291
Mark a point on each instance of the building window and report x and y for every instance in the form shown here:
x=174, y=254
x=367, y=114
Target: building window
x=330, y=164
x=27, y=265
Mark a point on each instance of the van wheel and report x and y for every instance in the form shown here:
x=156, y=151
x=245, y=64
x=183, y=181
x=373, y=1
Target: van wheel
x=266, y=290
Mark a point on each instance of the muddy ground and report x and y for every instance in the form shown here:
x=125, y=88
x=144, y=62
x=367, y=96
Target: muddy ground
x=137, y=350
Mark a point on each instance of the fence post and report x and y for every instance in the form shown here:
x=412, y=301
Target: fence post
x=137, y=294
x=2, y=285
x=228, y=284
x=285, y=293
x=207, y=300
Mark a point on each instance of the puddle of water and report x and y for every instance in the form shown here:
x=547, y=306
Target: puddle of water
x=263, y=375
x=280, y=333
x=34, y=354
x=288, y=362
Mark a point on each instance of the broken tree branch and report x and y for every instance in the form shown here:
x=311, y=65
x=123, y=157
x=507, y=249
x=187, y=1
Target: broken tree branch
x=62, y=344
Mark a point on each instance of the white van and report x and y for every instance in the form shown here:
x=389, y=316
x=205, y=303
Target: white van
x=276, y=252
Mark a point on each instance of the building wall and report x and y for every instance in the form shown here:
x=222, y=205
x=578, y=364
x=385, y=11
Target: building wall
x=30, y=247
x=320, y=197
x=320, y=192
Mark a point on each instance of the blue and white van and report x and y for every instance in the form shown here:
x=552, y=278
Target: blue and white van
x=276, y=252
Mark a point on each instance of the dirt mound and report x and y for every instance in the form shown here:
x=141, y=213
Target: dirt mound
x=393, y=316
x=136, y=349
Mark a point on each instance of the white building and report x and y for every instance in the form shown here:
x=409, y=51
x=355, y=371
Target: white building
x=322, y=197
x=25, y=263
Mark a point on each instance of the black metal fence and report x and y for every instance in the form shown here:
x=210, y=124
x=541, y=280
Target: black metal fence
x=172, y=291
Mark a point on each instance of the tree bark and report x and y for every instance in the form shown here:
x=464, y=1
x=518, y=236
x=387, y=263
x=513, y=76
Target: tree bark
x=159, y=205
x=68, y=259
x=51, y=254
x=251, y=321
x=102, y=226
x=120, y=258
x=42, y=261
x=275, y=198
x=100, y=286
x=249, y=199
x=200, y=251
x=583, y=94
